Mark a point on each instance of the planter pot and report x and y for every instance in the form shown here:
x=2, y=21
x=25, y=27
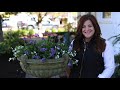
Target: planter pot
x=45, y=69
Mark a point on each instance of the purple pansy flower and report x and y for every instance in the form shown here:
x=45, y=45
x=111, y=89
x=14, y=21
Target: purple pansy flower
x=43, y=59
x=35, y=57
x=52, y=52
x=26, y=52
x=43, y=49
x=36, y=35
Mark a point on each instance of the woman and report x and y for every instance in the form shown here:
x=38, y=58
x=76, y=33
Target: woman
x=94, y=54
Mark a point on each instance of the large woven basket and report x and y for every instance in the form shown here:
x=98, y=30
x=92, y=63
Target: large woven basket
x=46, y=69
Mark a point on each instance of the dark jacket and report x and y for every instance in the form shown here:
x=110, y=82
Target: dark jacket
x=90, y=63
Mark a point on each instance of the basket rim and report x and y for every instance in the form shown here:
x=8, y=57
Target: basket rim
x=38, y=61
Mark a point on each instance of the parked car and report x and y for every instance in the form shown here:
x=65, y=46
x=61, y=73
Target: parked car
x=9, y=23
x=27, y=24
x=20, y=22
x=5, y=22
x=48, y=24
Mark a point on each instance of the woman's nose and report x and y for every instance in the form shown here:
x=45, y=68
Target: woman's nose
x=87, y=28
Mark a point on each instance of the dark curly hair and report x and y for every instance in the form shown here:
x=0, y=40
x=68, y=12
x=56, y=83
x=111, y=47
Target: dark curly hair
x=99, y=42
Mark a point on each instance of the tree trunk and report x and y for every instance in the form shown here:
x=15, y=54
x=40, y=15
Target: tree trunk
x=40, y=17
x=1, y=32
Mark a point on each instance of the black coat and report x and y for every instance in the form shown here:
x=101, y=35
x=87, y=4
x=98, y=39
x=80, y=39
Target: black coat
x=90, y=63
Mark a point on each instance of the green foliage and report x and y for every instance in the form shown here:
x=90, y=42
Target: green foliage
x=117, y=70
x=20, y=33
x=68, y=26
x=24, y=32
x=4, y=48
x=48, y=30
x=61, y=30
x=117, y=58
x=31, y=32
x=11, y=39
x=54, y=30
x=10, y=34
x=115, y=38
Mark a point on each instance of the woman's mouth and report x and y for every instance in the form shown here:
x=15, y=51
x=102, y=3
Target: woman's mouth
x=88, y=32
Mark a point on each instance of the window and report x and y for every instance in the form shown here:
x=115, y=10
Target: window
x=106, y=14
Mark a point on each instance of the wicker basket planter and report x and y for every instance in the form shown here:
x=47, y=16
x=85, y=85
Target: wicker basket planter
x=46, y=69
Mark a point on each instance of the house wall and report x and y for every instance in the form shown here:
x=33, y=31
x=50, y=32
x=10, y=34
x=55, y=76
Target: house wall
x=110, y=27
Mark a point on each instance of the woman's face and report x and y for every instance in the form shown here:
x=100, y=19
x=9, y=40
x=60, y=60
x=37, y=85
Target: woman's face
x=88, y=29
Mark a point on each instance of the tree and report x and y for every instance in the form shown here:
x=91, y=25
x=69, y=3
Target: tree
x=1, y=32
x=15, y=13
x=1, y=20
x=40, y=17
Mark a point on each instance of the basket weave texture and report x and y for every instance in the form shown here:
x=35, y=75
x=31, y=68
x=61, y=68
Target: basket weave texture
x=45, y=69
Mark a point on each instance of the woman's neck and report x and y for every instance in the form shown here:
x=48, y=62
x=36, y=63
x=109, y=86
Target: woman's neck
x=87, y=39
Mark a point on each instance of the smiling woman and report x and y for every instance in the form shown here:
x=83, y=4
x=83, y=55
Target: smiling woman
x=92, y=51
x=88, y=30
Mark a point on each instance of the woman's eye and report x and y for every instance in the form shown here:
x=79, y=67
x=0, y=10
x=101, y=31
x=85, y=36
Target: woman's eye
x=89, y=25
x=83, y=27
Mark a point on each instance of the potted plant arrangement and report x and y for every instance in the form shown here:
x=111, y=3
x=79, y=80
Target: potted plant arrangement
x=43, y=58
x=116, y=41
